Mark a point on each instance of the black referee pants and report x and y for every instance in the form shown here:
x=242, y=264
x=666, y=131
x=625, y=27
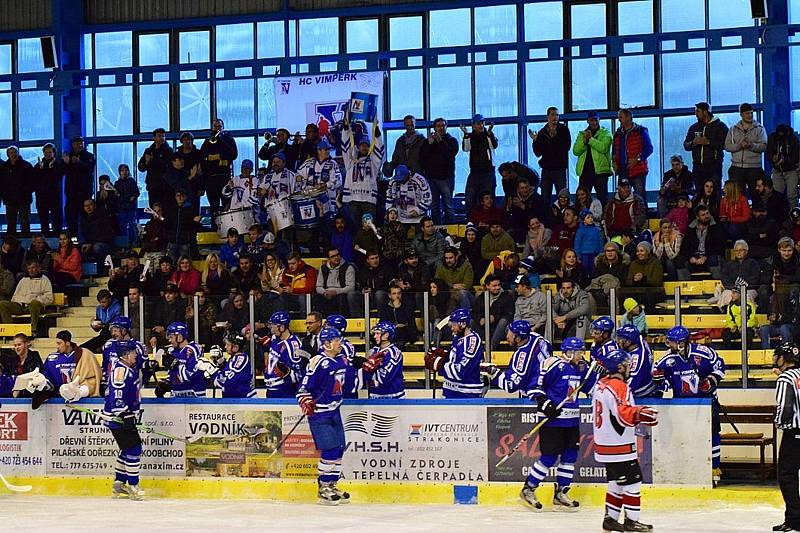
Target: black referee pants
x=788, y=467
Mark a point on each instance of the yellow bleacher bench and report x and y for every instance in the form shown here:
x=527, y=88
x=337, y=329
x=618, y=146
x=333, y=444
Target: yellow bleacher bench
x=693, y=321
x=208, y=238
x=354, y=325
x=688, y=288
x=314, y=262
x=9, y=330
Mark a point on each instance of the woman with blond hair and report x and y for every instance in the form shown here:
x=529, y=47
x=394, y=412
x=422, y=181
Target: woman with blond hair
x=271, y=273
x=215, y=278
x=734, y=211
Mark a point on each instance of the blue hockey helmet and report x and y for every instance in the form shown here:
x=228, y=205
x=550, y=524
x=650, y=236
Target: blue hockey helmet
x=612, y=360
x=329, y=334
x=520, y=328
x=178, y=328
x=235, y=338
x=604, y=324
x=678, y=334
x=460, y=315
x=337, y=321
x=400, y=172
x=125, y=346
x=385, y=327
x=279, y=318
x=629, y=332
x=121, y=322
x=571, y=344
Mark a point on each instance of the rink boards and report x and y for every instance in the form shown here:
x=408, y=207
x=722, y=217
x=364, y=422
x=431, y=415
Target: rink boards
x=444, y=450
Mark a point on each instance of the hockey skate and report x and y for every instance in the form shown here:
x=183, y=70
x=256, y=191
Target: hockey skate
x=609, y=525
x=562, y=501
x=782, y=527
x=344, y=497
x=135, y=493
x=327, y=494
x=119, y=490
x=528, y=497
x=635, y=525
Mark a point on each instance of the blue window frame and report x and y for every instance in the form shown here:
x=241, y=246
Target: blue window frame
x=449, y=27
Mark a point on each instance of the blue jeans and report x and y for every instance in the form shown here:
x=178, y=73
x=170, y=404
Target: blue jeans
x=769, y=330
x=126, y=219
x=478, y=182
x=442, y=192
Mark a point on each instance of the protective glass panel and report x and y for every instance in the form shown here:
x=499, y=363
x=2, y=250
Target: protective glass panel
x=495, y=24
x=683, y=79
x=544, y=86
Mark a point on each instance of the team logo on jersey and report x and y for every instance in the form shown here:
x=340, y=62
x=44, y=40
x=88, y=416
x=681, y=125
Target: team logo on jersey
x=119, y=375
x=14, y=425
x=374, y=424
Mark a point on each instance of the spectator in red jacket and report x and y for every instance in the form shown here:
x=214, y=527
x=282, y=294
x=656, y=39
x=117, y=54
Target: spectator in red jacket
x=564, y=234
x=734, y=210
x=297, y=280
x=629, y=153
x=625, y=211
x=66, y=268
x=484, y=213
x=186, y=277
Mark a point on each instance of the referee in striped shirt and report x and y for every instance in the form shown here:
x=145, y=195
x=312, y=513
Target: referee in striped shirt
x=787, y=418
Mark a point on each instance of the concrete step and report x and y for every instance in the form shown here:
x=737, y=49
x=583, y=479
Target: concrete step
x=80, y=312
x=79, y=331
x=74, y=321
x=88, y=301
x=102, y=282
x=94, y=290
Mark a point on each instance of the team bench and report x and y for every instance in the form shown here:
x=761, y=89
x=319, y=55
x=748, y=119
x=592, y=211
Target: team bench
x=751, y=414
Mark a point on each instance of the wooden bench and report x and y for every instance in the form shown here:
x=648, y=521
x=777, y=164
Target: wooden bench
x=751, y=414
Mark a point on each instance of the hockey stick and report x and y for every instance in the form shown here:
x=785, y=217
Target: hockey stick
x=542, y=422
x=15, y=488
x=439, y=327
x=139, y=427
x=283, y=440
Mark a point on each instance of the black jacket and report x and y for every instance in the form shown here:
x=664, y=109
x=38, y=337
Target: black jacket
x=438, y=158
x=784, y=144
x=708, y=156
x=377, y=279
x=97, y=227
x=48, y=179
x=157, y=166
x=165, y=313
x=17, y=182
x=180, y=224
x=502, y=307
x=479, y=158
x=715, y=241
x=761, y=234
x=10, y=364
x=80, y=175
x=553, y=152
x=218, y=158
x=419, y=278
x=748, y=270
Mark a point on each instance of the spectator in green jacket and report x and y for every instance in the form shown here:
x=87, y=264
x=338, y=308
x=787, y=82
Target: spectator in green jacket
x=496, y=241
x=457, y=274
x=593, y=148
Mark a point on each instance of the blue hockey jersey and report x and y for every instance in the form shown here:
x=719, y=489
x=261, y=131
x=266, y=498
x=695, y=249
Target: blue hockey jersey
x=283, y=352
x=59, y=368
x=185, y=379
x=609, y=346
x=387, y=380
x=559, y=380
x=641, y=380
x=684, y=375
x=124, y=392
x=351, y=382
x=323, y=383
x=6, y=384
x=462, y=371
x=523, y=369
x=111, y=356
x=235, y=377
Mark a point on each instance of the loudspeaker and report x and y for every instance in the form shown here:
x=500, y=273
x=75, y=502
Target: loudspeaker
x=49, y=51
x=758, y=8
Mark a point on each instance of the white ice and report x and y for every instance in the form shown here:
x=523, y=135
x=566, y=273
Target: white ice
x=22, y=514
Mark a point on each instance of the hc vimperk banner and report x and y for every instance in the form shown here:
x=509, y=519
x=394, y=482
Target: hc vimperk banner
x=321, y=99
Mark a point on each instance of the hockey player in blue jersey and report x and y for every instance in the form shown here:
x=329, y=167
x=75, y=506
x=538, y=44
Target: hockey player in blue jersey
x=523, y=370
x=120, y=329
x=285, y=366
x=693, y=371
x=351, y=382
x=631, y=341
x=58, y=372
x=559, y=381
x=602, y=330
x=319, y=396
x=382, y=369
x=185, y=379
x=231, y=372
x=123, y=403
x=461, y=367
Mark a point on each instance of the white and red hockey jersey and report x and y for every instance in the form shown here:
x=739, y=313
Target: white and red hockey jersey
x=412, y=198
x=615, y=417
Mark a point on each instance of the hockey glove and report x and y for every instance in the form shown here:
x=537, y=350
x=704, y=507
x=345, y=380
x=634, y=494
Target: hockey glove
x=435, y=359
x=150, y=365
x=372, y=364
x=37, y=383
x=708, y=385
x=489, y=370
x=215, y=355
x=358, y=361
x=549, y=409
x=174, y=364
x=646, y=415
x=207, y=368
x=280, y=370
x=128, y=421
x=308, y=405
x=162, y=388
x=23, y=381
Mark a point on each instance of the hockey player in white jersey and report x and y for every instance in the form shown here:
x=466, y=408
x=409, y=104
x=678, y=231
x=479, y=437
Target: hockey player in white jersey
x=410, y=194
x=362, y=164
x=615, y=419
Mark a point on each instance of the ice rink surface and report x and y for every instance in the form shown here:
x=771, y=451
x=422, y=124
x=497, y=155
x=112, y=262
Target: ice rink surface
x=20, y=513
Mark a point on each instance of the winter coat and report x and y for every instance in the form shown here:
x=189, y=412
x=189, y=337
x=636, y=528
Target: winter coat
x=748, y=270
x=640, y=321
x=29, y=289
x=188, y=282
x=710, y=156
x=651, y=270
x=618, y=269
x=589, y=240
x=69, y=263
x=17, y=182
x=714, y=241
x=746, y=157
x=500, y=307
x=302, y=281
x=532, y=308
x=553, y=151
x=632, y=144
x=481, y=147
x=679, y=217
x=600, y=144
x=667, y=250
x=491, y=245
x=737, y=212
x=783, y=143
x=438, y=158
x=573, y=307
x=627, y=214
x=430, y=251
x=461, y=273
x=408, y=153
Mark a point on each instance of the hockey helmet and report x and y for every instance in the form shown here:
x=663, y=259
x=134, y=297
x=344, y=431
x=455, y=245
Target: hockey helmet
x=678, y=334
x=337, y=321
x=571, y=344
x=121, y=322
x=329, y=334
x=460, y=315
x=178, y=328
x=789, y=351
x=235, y=338
x=124, y=347
x=520, y=328
x=604, y=324
x=279, y=318
x=629, y=332
x=612, y=360
x=385, y=327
